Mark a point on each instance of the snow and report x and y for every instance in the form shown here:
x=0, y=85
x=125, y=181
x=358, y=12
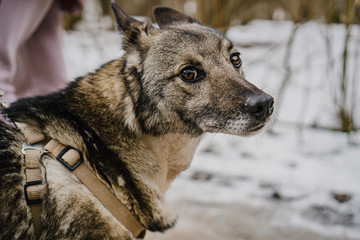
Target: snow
x=279, y=184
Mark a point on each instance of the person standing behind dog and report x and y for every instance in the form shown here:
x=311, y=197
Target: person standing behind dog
x=31, y=60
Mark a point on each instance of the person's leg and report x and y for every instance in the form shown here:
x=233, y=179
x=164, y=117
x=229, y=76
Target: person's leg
x=18, y=21
x=46, y=69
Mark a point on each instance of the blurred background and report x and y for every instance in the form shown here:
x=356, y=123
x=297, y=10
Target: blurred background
x=299, y=179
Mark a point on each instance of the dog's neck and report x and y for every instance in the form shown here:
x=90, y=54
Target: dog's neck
x=173, y=153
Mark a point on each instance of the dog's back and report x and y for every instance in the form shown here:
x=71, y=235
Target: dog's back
x=12, y=186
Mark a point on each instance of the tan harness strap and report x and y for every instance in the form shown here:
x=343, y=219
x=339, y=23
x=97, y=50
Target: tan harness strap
x=33, y=189
x=31, y=134
x=33, y=186
x=32, y=159
x=71, y=159
x=36, y=214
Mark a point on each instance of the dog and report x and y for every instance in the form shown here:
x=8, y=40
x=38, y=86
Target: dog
x=136, y=121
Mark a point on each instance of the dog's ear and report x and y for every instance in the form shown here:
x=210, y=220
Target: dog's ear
x=134, y=31
x=168, y=16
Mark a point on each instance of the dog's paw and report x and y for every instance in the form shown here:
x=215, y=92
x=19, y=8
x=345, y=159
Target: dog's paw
x=162, y=224
x=163, y=219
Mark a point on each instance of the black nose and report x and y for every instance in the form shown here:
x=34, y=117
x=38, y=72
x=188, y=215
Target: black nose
x=260, y=106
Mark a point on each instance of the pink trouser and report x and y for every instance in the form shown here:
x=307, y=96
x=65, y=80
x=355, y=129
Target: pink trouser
x=31, y=60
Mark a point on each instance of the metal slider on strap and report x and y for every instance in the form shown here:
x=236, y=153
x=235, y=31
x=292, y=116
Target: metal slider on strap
x=37, y=146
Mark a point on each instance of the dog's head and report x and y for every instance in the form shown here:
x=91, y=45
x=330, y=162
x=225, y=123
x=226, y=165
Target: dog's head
x=190, y=78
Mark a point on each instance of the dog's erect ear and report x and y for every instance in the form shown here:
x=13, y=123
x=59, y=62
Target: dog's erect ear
x=125, y=22
x=134, y=31
x=168, y=16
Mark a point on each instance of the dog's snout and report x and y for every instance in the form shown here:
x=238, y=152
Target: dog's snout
x=260, y=106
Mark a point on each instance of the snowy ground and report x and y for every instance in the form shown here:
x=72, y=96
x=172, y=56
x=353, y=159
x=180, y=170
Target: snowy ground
x=278, y=185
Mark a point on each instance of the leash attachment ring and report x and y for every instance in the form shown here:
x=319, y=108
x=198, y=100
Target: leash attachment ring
x=37, y=146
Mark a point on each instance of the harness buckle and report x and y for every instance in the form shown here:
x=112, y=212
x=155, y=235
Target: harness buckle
x=65, y=163
x=28, y=184
x=37, y=146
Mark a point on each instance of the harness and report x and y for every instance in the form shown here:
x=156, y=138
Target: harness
x=72, y=160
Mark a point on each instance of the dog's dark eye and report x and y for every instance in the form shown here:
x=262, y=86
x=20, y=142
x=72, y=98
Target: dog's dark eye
x=189, y=74
x=236, y=60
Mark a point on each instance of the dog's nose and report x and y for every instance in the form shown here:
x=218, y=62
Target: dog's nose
x=260, y=106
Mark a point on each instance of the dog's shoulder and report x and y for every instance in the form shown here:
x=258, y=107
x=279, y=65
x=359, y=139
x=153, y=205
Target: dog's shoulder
x=10, y=155
x=13, y=208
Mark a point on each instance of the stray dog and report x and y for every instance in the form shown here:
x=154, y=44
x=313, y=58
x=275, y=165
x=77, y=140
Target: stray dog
x=136, y=122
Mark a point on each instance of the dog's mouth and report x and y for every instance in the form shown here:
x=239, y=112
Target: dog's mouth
x=239, y=126
x=252, y=127
x=242, y=123
x=256, y=128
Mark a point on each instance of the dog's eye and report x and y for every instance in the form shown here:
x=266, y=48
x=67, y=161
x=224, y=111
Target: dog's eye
x=189, y=74
x=236, y=60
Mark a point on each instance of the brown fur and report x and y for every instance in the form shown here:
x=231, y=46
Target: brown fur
x=137, y=123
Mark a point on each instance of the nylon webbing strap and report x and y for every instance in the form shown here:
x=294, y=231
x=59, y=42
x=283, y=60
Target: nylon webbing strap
x=33, y=186
x=71, y=158
x=31, y=134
